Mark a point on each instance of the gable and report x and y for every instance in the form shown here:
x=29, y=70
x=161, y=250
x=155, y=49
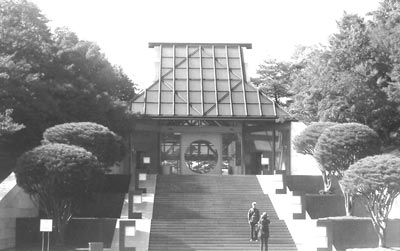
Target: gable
x=203, y=81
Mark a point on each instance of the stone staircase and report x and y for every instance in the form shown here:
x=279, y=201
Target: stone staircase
x=210, y=213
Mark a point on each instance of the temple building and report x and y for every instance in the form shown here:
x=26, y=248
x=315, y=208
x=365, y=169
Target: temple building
x=202, y=116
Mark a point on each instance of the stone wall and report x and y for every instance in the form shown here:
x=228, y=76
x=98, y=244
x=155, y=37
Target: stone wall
x=14, y=203
x=346, y=233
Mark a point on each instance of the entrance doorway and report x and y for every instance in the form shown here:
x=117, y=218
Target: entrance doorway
x=201, y=153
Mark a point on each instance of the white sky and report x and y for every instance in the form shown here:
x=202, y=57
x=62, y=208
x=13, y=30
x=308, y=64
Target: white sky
x=123, y=28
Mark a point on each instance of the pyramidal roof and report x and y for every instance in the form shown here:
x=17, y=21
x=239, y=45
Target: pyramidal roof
x=203, y=81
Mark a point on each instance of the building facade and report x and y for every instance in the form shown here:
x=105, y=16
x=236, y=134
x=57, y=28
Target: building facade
x=201, y=116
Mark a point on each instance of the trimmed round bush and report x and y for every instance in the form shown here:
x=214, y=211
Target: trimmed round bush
x=375, y=180
x=58, y=176
x=60, y=170
x=97, y=139
x=305, y=142
x=341, y=145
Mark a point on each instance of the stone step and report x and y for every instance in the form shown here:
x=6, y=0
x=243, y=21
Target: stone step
x=202, y=213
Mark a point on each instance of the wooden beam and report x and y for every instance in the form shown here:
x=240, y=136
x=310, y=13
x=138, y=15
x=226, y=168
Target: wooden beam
x=229, y=79
x=201, y=80
x=215, y=81
x=187, y=81
x=243, y=80
x=159, y=82
x=173, y=80
x=144, y=101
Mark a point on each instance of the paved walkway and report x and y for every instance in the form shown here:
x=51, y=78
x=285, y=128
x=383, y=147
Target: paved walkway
x=146, y=208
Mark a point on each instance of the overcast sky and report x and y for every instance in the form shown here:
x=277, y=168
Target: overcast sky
x=123, y=28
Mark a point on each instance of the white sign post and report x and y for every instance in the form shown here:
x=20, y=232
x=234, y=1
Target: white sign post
x=264, y=162
x=146, y=160
x=46, y=225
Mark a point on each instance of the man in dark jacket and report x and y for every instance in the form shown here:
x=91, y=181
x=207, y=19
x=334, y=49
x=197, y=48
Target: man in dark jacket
x=263, y=225
x=253, y=217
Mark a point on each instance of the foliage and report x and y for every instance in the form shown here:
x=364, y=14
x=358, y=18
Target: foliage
x=24, y=39
x=376, y=181
x=386, y=37
x=310, y=63
x=7, y=125
x=342, y=145
x=50, y=78
x=305, y=142
x=58, y=175
x=95, y=138
x=274, y=79
x=347, y=80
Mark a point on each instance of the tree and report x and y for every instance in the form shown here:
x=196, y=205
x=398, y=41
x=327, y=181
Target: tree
x=375, y=180
x=84, y=60
x=305, y=142
x=7, y=125
x=343, y=82
x=97, y=139
x=274, y=79
x=57, y=176
x=50, y=78
x=307, y=82
x=342, y=145
x=7, y=128
x=25, y=38
x=385, y=37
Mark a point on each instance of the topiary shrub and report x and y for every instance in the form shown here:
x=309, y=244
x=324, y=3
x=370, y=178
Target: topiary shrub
x=342, y=145
x=57, y=176
x=97, y=139
x=375, y=180
x=305, y=142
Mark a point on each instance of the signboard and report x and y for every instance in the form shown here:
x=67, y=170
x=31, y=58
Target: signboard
x=46, y=225
x=146, y=160
x=130, y=231
x=137, y=198
x=264, y=161
x=142, y=176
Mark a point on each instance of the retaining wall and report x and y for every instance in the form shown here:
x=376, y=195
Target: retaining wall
x=14, y=203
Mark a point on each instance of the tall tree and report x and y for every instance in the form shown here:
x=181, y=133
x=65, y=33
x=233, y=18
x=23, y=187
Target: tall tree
x=308, y=82
x=385, y=37
x=7, y=128
x=339, y=82
x=7, y=124
x=25, y=36
x=52, y=78
x=274, y=79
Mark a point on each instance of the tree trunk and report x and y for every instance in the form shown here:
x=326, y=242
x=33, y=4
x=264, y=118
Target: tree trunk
x=348, y=201
x=59, y=211
x=380, y=229
x=327, y=182
x=60, y=226
x=382, y=239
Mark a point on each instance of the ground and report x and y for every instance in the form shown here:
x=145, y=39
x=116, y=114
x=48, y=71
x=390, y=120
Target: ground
x=372, y=249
